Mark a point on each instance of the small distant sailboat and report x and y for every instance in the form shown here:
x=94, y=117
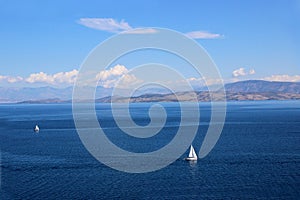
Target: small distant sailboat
x=192, y=155
x=37, y=128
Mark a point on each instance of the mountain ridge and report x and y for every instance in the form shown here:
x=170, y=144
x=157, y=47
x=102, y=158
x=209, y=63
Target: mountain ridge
x=242, y=90
x=263, y=86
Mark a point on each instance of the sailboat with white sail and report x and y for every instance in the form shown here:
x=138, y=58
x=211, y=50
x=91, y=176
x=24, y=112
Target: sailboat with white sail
x=37, y=128
x=192, y=155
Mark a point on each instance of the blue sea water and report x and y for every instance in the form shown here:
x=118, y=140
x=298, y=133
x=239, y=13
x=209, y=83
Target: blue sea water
x=256, y=157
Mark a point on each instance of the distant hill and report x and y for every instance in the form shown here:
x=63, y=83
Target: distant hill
x=258, y=86
x=203, y=96
x=254, y=90
x=55, y=100
x=27, y=94
x=243, y=90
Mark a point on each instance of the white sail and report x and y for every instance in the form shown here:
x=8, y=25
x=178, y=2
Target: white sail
x=192, y=154
x=36, y=129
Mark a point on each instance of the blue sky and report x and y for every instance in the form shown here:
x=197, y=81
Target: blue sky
x=246, y=39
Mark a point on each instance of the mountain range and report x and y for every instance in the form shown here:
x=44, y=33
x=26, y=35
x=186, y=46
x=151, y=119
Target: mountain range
x=243, y=90
x=258, y=86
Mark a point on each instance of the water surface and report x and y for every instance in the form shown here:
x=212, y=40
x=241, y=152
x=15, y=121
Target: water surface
x=257, y=156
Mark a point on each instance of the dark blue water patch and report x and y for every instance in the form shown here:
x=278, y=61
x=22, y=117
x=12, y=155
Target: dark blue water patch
x=139, y=114
x=256, y=157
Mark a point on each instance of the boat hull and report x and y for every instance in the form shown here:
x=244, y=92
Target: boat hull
x=191, y=159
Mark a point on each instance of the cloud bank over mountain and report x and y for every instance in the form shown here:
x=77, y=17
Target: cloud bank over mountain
x=120, y=76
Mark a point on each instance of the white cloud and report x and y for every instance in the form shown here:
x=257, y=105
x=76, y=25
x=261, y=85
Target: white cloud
x=242, y=72
x=108, y=83
x=2, y=78
x=127, y=81
x=204, y=81
x=117, y=76
x=105, y=24
x=203, y=35
x=239, y=72
x=283, y=78
x=251, y=71
x=11, y=79
x=113, y=26
x=141, y=31
x=14, y=79
x=192, y=79
x=61, y=77
x=39, y=77
x=66, y=77
x=117, y=70
x=196, y=82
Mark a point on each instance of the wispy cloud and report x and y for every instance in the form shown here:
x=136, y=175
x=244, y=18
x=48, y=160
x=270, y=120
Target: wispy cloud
x=105, y=24
x=242, y=72
x=283, y=78
x=113, y=26
x=203, y=35
x=141, y=31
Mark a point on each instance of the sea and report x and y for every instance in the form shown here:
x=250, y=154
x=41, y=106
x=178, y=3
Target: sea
x=256, y=157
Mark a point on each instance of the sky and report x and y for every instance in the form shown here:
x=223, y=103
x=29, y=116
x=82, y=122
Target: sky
x=45, y=42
